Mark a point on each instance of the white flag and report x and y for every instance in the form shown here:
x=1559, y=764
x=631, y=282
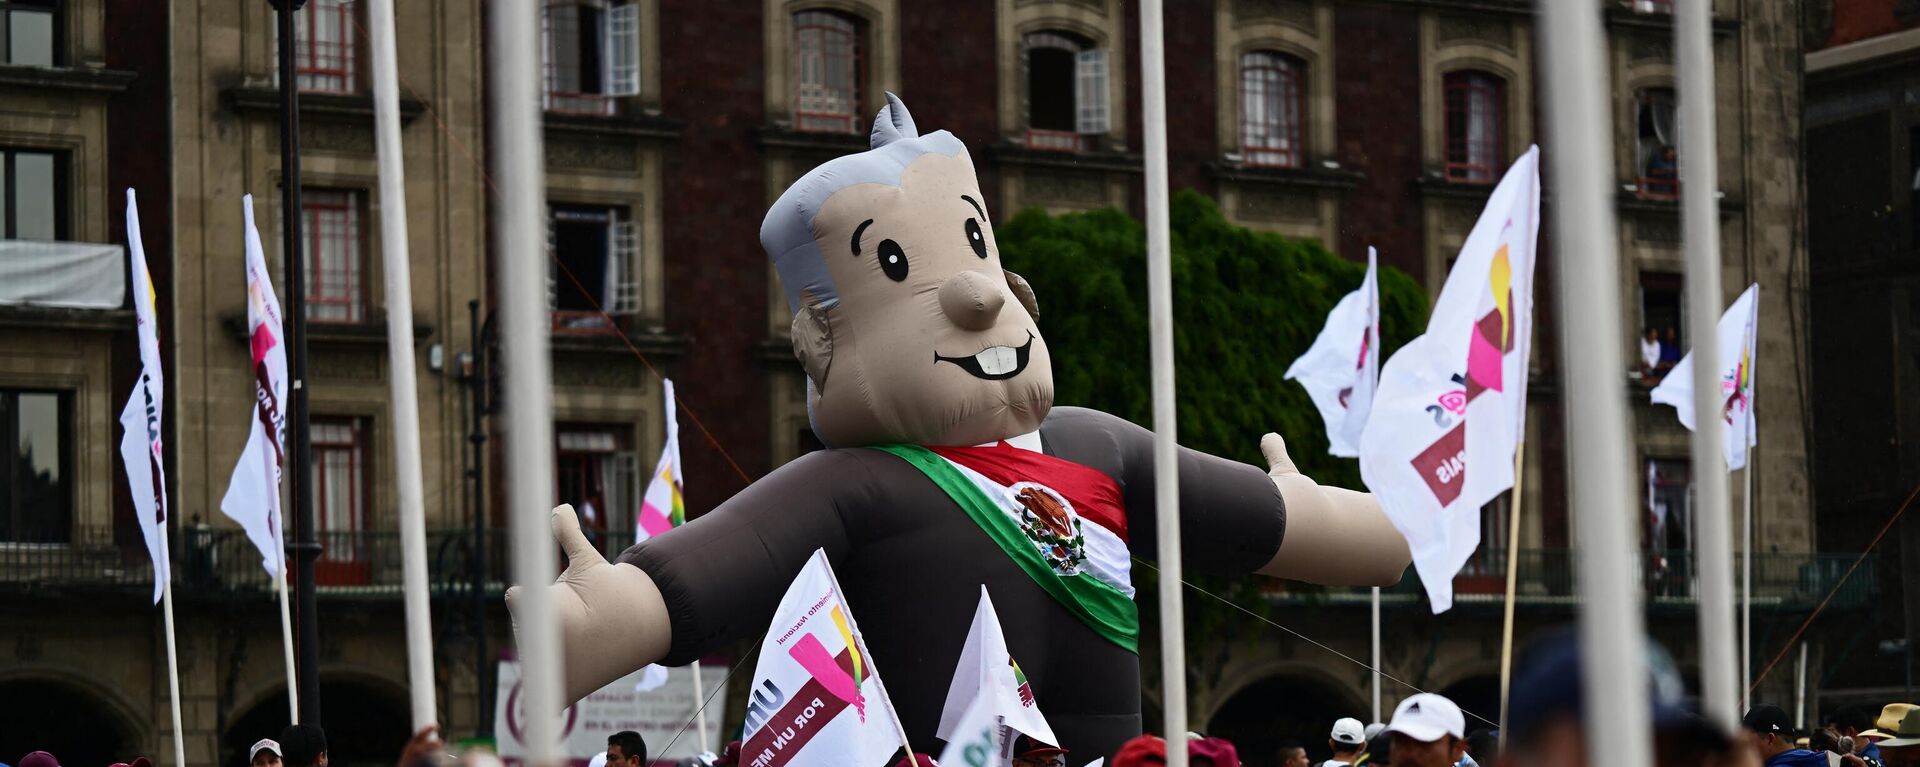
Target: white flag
x=1451, y=405
x=253, y=495
x=662, y=508
x=141, y=447
x=989, y=673
x=816, y=697
x=978, y=739
x=1340, y=369
x=1736, y=332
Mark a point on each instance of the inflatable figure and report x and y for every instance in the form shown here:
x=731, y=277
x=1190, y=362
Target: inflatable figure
x=949, y=468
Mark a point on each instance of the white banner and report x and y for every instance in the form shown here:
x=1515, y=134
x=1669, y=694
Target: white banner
x=1736, y=333
x=1451, y=405
x=1340, y=369
x=816, y=697
x=988, y=672
x=656, y=714
x=253, y=495
x=142, y=449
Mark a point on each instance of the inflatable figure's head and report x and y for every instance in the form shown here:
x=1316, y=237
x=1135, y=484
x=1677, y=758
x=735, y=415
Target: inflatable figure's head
x=909, y=329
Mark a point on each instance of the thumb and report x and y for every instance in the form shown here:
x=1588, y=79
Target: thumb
x=566, y=531
x=1274, y=449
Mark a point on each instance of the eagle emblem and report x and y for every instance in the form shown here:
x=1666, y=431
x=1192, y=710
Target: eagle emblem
x=1049, y=522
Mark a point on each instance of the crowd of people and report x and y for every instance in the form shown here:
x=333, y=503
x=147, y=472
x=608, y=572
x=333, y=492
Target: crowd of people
x=1546, y=727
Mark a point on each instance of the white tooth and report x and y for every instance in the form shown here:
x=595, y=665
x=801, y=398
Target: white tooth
x=997, y=360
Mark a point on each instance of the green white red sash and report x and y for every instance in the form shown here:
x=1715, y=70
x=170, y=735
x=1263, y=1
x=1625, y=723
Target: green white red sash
x=1062, y=523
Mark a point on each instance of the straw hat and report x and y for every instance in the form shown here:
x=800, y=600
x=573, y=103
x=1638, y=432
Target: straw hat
x=1908, y=733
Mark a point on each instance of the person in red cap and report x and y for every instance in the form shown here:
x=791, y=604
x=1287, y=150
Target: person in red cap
x=917, y=760
x=138, y=761
x=1028, y=752
x=729, y=755
x=1143, y=751
x=39, y=759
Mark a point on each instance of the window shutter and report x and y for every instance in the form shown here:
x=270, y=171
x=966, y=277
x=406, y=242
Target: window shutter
x=623, y=274
x=623, y=50
x=1090, y=92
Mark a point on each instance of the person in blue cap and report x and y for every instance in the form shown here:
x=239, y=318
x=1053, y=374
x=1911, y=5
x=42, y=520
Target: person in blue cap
x=1771, y=733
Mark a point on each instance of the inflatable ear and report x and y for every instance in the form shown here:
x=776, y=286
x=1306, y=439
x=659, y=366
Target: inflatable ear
x=893, y=123
x=813, y=343
x=1023, y=293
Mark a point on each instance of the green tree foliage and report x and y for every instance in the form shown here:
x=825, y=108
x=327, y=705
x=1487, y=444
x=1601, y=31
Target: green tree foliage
x=1246, y=303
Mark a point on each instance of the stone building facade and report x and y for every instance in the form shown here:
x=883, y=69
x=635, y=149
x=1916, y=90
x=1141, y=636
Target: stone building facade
x=670, y=128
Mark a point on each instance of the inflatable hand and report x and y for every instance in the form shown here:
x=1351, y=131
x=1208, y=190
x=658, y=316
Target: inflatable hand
x=1335, y=536
x=612, y=619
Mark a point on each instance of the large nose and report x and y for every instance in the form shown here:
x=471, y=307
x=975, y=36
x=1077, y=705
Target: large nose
x=972, y=300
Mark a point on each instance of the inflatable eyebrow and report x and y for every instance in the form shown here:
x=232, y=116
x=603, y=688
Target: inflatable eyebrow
x=949, y=469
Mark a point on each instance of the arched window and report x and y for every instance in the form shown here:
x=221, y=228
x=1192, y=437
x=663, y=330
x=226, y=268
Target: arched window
x=1659, y=162
x=1270, y=108
x=826, y=72
x=1476, y=125
x=1066, y=91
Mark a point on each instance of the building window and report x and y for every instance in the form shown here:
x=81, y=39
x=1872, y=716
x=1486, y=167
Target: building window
x=36, y=502
x=592, y=53
x=33, y=195
x=594, y=268
x=595, y=470
x=1659, y=161
x=1066, y=90
x=1669, y=526
x=1476, y=126
x=340, y=498
x=826, y=72
x=336, y=259
x=326, y=58
x=29, y=32
x=1270, y=108
x=1662, y=323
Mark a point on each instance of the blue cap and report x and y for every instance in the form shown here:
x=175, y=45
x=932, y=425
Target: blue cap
x=1547, y=684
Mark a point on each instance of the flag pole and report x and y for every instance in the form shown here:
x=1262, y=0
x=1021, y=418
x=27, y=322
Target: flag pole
x=1173, y=650
x=1693, y=46
x=700, y=708
x=1513, y=582
x=1376, y=655
x=1612, y=626
x=173, y=657
x=520, y=283
x=286, y=645
x=1746, y=583
x=404, y=400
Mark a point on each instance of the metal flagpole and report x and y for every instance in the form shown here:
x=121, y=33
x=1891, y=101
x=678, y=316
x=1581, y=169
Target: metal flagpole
x=1746, y=581
x=1375, y=660
x=404, y=397
x=1513, y=582
x=521, y=284
x=173, y=657
x=1173, y=644
x=1800, y=690
x=1699, y=178
x=1612, y=629
x=286, y=645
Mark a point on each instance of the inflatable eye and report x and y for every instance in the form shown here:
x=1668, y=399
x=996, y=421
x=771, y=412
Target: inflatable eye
x=975, y=238
x=893, y=260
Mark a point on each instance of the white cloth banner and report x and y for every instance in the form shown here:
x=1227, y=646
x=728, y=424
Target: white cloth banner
x=977, y=739
x=816, y=697
x=141, y=447
x=253, y=494
x=658, y=714
x=662, y=508
x=1340, y=369
x=1451, y=405
x=1736, y=332
x=988, y=672
x=78, y=275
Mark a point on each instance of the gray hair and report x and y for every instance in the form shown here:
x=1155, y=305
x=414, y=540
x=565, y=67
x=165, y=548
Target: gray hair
x=787, y=234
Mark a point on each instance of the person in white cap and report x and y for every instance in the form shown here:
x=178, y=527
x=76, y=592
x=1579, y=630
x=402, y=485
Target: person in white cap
x=1347, y=740
x=264, y=753
x=598, y=760
x=1428, y=731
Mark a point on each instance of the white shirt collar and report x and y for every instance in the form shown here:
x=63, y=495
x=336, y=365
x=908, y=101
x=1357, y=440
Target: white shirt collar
x=1027, y=441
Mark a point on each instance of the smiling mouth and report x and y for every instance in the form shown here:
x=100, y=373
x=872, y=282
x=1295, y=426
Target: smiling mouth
x=995, y=363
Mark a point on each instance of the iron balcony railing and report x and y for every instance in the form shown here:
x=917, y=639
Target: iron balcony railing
x=1785, y=581
x=217, y=561
x=222, y=561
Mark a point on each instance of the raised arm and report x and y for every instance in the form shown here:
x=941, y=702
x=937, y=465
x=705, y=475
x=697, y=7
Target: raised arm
x=1335, y=536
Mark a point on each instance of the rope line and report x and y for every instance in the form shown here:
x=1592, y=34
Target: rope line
x=703, y=705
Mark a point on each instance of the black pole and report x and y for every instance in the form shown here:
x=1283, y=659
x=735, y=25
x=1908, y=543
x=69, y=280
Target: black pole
x=305, y=548
x=477, y=438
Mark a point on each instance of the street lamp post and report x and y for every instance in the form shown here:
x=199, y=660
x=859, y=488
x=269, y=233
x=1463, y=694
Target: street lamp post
x=305, y=548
